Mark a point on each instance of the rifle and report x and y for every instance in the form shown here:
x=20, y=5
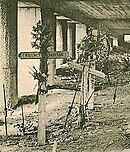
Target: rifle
x=5, y=110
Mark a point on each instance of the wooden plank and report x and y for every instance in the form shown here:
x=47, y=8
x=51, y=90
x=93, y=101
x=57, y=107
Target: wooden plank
x=79, y=67
x=42, y=119
x=76, y=66
x=97, y=73
x=54, y=146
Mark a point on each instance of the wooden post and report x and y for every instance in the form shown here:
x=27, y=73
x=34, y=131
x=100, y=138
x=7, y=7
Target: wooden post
x=54, y=146
x=42, y=119
x=48, y=19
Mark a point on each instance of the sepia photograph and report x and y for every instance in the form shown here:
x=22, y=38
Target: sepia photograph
x=64, y=75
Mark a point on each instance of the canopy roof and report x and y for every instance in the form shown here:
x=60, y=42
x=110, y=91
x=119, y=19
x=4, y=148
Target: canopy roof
x=114, y=14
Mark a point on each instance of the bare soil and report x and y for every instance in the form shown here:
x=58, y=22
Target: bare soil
x=107, y=129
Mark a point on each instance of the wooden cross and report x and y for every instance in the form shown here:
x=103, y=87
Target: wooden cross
x=42, y=95
x=86, y=71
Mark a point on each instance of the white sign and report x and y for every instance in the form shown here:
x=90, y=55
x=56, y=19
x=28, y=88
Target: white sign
x=30, y=55
x=57, y=55
x=50, y=55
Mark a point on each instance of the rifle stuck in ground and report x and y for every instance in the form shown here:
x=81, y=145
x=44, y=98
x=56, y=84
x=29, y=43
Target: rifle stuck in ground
x=72, y=103
x=5, y=110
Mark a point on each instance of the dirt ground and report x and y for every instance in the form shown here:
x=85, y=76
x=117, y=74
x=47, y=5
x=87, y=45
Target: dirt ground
x=107, y=130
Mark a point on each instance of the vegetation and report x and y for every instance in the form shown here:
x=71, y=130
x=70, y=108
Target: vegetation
x=26, y=99
x=42, y=41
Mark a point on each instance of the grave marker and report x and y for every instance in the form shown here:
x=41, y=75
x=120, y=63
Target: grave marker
x=42, y=96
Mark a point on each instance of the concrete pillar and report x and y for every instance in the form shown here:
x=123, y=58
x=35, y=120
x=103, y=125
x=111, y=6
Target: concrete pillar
x=64, y=34
x=80, y=34
x=49, y=19
x=72, y=39
x=61, y=39
x=115, y=42
x=8, y=50
x=59, y=42
x=121, y=40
